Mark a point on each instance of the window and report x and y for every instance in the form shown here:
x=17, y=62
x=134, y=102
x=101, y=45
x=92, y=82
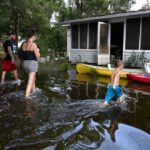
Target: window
x=145, y=39
x=93, y=35
x=79, y=34
x=83, y=36
x=74, y=33
x=132, y=34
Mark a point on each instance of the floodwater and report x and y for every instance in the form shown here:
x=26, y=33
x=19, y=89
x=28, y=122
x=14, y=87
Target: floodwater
x=65, y=114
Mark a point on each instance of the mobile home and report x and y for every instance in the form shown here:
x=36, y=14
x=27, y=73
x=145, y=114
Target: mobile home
x=98, y=39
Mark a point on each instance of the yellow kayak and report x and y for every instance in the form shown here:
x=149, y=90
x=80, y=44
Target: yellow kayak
x=106, y=80
x=83, y=77
x=103, y=71
x=108, y=73
x=101, y=79
x=83, y=69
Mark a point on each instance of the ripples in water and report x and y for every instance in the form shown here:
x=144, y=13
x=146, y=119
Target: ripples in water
x=58, y=118
x=65, y=125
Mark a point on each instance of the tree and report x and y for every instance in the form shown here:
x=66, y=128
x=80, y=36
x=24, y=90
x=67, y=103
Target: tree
x=146, y=5
x=116, y=6
x=85, y=8
x=21, y=15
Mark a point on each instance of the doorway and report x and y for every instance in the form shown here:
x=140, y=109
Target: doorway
x=116, y=49
x=103, y=46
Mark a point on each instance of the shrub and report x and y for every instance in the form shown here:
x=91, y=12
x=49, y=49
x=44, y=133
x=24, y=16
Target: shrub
x=94, y=73
x=66, y=66
x=136, y=60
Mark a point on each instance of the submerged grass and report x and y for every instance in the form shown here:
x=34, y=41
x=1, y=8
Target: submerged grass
x=94, y=73
x=67, y=66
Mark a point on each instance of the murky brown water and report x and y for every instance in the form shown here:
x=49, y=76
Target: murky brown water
x=65, y=115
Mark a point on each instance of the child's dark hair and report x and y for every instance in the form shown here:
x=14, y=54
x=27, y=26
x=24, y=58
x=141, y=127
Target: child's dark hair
x=30, y=33
x=12, y=33
x=119, y=63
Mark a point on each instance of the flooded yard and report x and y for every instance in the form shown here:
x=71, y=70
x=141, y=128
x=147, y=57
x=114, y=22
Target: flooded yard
x=65, y=114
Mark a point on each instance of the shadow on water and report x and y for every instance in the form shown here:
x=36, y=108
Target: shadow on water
x=67, y=115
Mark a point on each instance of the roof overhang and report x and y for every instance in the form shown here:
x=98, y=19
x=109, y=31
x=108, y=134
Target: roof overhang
x=108, y=17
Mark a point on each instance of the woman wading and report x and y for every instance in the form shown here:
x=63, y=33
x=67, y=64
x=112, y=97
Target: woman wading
x=30, y=53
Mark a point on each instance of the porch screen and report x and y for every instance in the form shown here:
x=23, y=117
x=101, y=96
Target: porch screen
x=93, y=35
x=83, y=36
x=145, y=39
x=74, y=35
x=132, y=34
x=104, y=39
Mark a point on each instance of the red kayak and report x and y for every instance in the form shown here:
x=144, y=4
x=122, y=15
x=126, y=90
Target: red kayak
x=139, y=77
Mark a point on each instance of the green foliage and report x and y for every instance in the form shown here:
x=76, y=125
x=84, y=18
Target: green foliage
x=94, y=73
x=21, y=15
x=84, y=8
x=117, y=6
x=146, y=5
x=136, y=60
x=24, y=14
x=66, y=66
x=57, y=38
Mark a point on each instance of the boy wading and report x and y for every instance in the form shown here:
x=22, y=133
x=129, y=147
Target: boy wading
x=113, y=88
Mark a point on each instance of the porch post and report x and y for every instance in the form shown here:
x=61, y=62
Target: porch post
x=78, y=36
x=124, y=38
x=87, y=35
x=98, y=41
x=68, y=41
x=109, y=40
x=140, y=36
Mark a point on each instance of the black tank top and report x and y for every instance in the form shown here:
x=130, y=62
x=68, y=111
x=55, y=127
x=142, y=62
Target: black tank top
x=28, y=55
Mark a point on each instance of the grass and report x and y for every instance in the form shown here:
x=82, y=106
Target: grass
x=94, y=73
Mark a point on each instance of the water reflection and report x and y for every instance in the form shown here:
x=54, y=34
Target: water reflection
x=66, y=115
x=123, y=82
x=113, y=116
x=108, y=133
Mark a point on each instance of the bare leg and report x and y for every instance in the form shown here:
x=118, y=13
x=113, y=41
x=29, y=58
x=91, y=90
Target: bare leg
x=30, y=83
x=105, y=104
x=33, y=85
x=3, y=76
x=15, y=74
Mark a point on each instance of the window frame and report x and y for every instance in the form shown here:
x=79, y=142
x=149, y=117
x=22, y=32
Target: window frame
x=88, y=48
x=140, y=36
x=139, y=41
x=141, y=49
x=86, y=38
x=89, y=35
x=72, y=36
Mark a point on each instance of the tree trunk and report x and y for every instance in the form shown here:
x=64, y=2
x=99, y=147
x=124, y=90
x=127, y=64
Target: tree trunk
x=17, y=28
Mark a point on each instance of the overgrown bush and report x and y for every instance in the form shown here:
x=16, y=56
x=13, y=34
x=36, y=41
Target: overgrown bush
x=136, y=60
x=66, y=66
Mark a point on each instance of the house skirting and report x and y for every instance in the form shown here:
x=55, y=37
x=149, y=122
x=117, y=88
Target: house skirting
x=86, y=56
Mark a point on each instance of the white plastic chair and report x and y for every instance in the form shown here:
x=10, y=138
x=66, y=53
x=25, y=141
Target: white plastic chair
x=109, y=67
x=147, y=67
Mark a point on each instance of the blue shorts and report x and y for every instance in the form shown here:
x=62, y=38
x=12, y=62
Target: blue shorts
x=111, y=92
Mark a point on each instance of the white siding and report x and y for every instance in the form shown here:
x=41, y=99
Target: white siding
x=127, y=54
x=88, y=56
